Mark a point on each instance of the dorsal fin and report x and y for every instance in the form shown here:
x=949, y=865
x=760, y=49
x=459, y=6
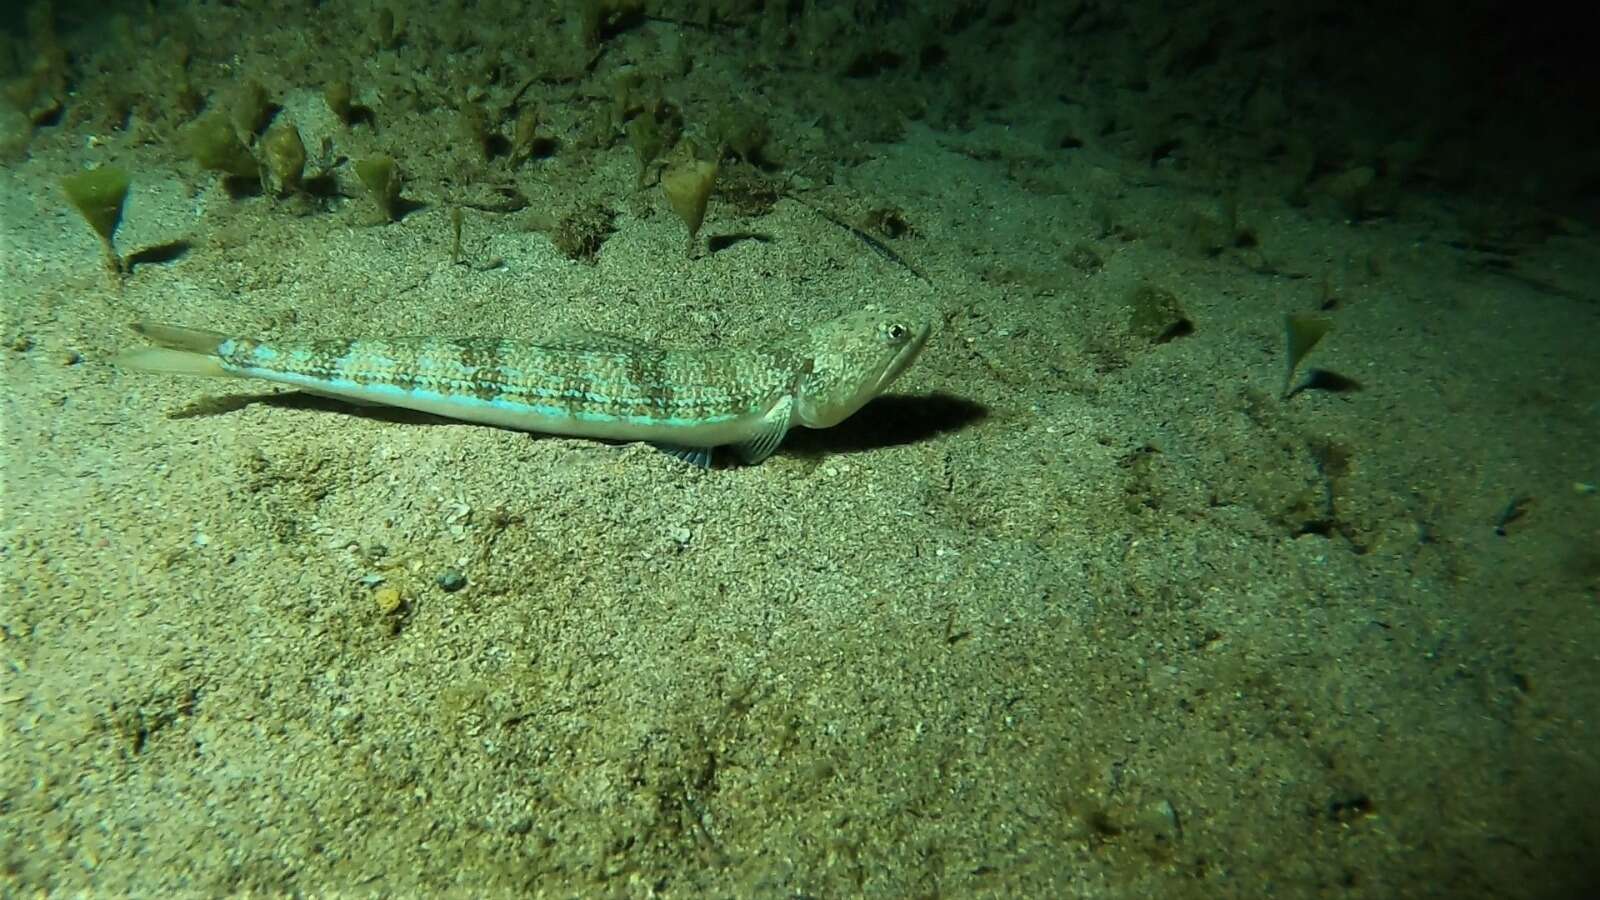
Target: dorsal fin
x=589, y=339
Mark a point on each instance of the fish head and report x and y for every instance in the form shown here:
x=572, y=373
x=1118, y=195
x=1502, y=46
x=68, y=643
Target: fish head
x=854, y=358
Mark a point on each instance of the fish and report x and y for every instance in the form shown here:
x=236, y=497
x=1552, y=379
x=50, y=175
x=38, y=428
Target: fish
x=579, y=383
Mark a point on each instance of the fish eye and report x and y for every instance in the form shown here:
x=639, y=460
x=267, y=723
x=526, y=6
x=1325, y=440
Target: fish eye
x=897, y=332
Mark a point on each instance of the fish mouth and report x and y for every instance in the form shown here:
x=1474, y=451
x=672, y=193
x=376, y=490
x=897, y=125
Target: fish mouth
x=904, y=357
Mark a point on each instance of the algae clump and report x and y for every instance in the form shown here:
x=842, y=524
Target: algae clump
x=98, y=195
x=687, y=185
x=381, y=177
x=651, y=132
x=1155, y=315
x=249, y=107
x=338, y=96
x=1301, y=334
x=215, y=146
x=581, y=232
x=744, y=132
x=286, y=156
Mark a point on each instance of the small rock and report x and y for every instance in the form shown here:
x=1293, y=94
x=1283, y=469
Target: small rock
x=1161, y=820
x=1348, y=806
x=388, y=600
x=451, y=581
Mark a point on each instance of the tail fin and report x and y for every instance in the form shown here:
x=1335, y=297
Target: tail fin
x=178, y=351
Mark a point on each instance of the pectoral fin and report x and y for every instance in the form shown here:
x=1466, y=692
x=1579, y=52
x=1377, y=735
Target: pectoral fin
x=774, y=426
x=177, y=351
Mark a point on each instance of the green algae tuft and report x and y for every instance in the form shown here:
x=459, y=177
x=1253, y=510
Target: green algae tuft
x=215, y=146
x=98, y=196
x=1301, y=331
x=285, y=154
x=381, y=177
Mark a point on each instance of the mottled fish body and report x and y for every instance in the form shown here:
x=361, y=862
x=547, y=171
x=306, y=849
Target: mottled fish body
x=584, y=385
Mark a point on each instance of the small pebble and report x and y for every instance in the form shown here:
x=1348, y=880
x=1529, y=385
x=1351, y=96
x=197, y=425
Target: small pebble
x=451, y=581
x=388, y=600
